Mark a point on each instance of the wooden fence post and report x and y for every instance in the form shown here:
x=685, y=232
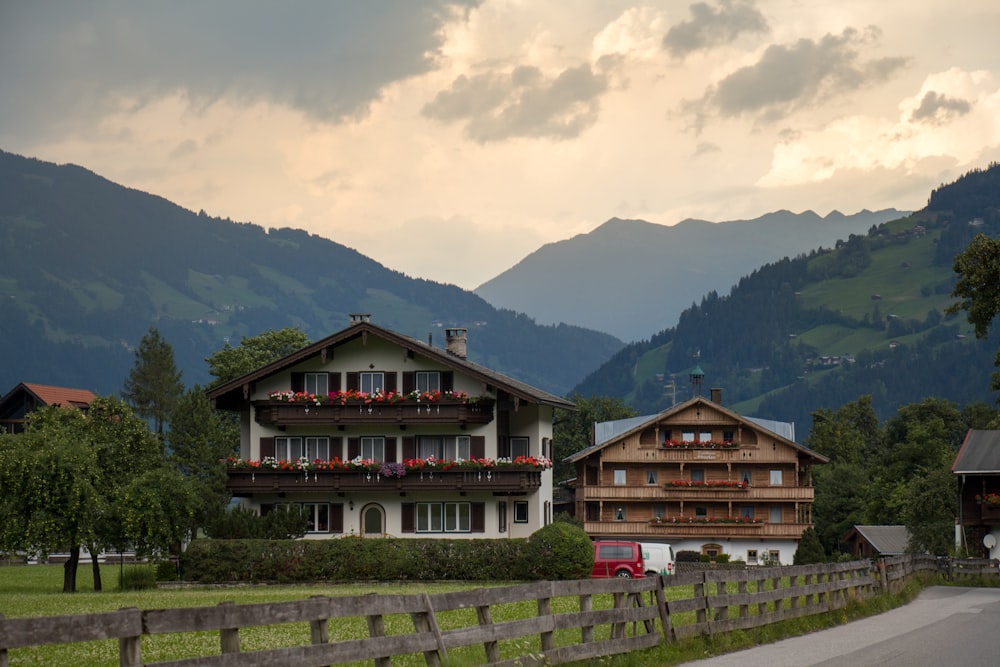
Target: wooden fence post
x=229, y=638
x=661, y=607
x=485, y=617
x=4, y=660
x=587, y=631
x=701, y=591
x=426, y=621
x=545, y=609
x=130, y=648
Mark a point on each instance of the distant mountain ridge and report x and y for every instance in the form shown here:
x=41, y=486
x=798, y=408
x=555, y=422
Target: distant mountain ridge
x=631, y=278
x=87, y=266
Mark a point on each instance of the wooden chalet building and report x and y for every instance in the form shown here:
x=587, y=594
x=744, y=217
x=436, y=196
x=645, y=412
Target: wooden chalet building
x=375, y=433
x=28, y=397
x=700, y=478
x=977, y=465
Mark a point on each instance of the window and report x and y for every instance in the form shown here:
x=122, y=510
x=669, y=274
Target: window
x=728, y=436
x=701, y=512
x=751, y=556
x=774, y=557
x=371, y=382
x=317, y=448
x=687, y=436
x=288, y=449
x=705, y=436
x=697, y=474
x=775, y=478
x=620, y=513
x=373, y=448
x=428, y=381
x=502, y=517
x=444, y=517
x=746, y=512
x=317, y=515
x=659, y=511
x=746, y=477
x=651, y=477
x=452, y=447
x=620, y=479
x=316, y=383
x=520, y=511
x=518, y=447
x=775, y=514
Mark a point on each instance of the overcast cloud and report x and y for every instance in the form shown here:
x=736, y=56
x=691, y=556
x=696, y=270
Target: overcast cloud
x=448, y=139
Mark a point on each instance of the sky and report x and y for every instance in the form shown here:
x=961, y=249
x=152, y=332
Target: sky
x=448, y=140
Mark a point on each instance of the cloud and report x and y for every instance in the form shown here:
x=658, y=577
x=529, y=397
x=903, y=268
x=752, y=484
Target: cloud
x=523, y=102
x=710, y=27
x=936, y=108
x=787, y=78
x=329, y=60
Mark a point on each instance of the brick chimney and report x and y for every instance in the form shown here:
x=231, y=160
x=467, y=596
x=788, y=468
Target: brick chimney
x=358, y=318
x=716, y=394
x=456, y=341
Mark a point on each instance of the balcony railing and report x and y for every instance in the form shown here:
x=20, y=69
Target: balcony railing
x=280, y=413
x=507, y=479
x=659, y=493
x=666, y=530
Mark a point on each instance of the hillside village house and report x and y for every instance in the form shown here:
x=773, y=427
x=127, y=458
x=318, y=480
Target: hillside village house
x=28, y=397
x=701, y=478
x=977, y=465
x=375, y=433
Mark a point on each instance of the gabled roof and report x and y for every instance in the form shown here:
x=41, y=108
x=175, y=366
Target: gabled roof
x=232, y=393
x=886, y=540
x=49, y=395
x=979, y=454
x=609, y=432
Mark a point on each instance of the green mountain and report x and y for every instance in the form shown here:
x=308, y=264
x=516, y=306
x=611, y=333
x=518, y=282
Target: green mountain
x=87, y=266
x=820, y=330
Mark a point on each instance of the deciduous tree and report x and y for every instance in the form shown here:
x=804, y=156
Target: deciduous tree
x=978, y=287
x=253, y=352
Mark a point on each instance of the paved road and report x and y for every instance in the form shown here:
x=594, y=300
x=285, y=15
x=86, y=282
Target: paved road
x=945, y=626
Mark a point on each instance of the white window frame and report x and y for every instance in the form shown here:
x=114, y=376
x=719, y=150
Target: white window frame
x=427, y=380
x=440, y=517
x=317, y=448
x=621, y=478
x=373, y=447
x=776, y=478
x=705, y=436
x=288, y=448
x=317, y=515
x=371, y=381
x=751, y=556
x=520, y=511
x=316, y=383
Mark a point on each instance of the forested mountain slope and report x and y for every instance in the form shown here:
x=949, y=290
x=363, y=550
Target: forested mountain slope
x=87, y=266
x=823, y=329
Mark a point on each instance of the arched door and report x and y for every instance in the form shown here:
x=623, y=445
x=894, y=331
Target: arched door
x=373, y=521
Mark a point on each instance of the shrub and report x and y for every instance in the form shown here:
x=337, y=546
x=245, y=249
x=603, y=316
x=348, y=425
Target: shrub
x=687, y=557
x=559, y=550
x=166, y=570
x=809, y=550
x=137, y=578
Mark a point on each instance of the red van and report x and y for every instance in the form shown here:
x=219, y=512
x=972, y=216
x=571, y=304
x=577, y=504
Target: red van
x=618, y=559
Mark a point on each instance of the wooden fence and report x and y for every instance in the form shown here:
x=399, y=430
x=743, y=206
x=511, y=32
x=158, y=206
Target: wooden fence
x=569, y=621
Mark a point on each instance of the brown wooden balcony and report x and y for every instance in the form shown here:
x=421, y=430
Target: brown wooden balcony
x=282, y=413
x=243, y=481
x=654, y=493
x=665, y=531
x=990, y=514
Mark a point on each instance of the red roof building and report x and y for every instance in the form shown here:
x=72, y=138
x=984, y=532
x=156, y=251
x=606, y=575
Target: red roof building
x=28, y=397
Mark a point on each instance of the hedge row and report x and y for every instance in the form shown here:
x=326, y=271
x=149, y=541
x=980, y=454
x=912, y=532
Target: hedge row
x=558, y=551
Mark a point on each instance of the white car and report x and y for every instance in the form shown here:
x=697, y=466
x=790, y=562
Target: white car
x=659, y=558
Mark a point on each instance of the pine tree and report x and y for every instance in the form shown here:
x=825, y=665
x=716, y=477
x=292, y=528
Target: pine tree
x=809, y=550
x=154, y=385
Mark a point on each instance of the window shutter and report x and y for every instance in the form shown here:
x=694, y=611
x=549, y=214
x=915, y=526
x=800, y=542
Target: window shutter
x=390, y=450
x=409, y=447
x=267, y=447
x=390, y=381
x=353, y=381
x=336, y=447
x=333, y=382
x=409, y=381
x=478, y=517
x=447, y=381
x=337, y=518
x=477, y=446
x=298, y=381
x=503, y=447
x=408, y=518
x=353, y=448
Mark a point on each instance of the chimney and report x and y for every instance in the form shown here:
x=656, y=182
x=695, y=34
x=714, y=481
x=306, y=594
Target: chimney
x=716, y=393
x=456, y=341
x=358, y=318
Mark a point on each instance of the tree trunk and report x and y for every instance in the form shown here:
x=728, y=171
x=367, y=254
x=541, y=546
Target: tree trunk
x=96, y=568
x=69, y=570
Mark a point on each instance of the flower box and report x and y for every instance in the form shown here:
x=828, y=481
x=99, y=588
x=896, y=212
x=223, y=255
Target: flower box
x=443, y=411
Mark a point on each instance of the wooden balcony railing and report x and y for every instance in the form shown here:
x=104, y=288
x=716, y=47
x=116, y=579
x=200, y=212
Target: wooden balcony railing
x=281, y=413
x=243, y=481
x=665, y=531
x=693, y=494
